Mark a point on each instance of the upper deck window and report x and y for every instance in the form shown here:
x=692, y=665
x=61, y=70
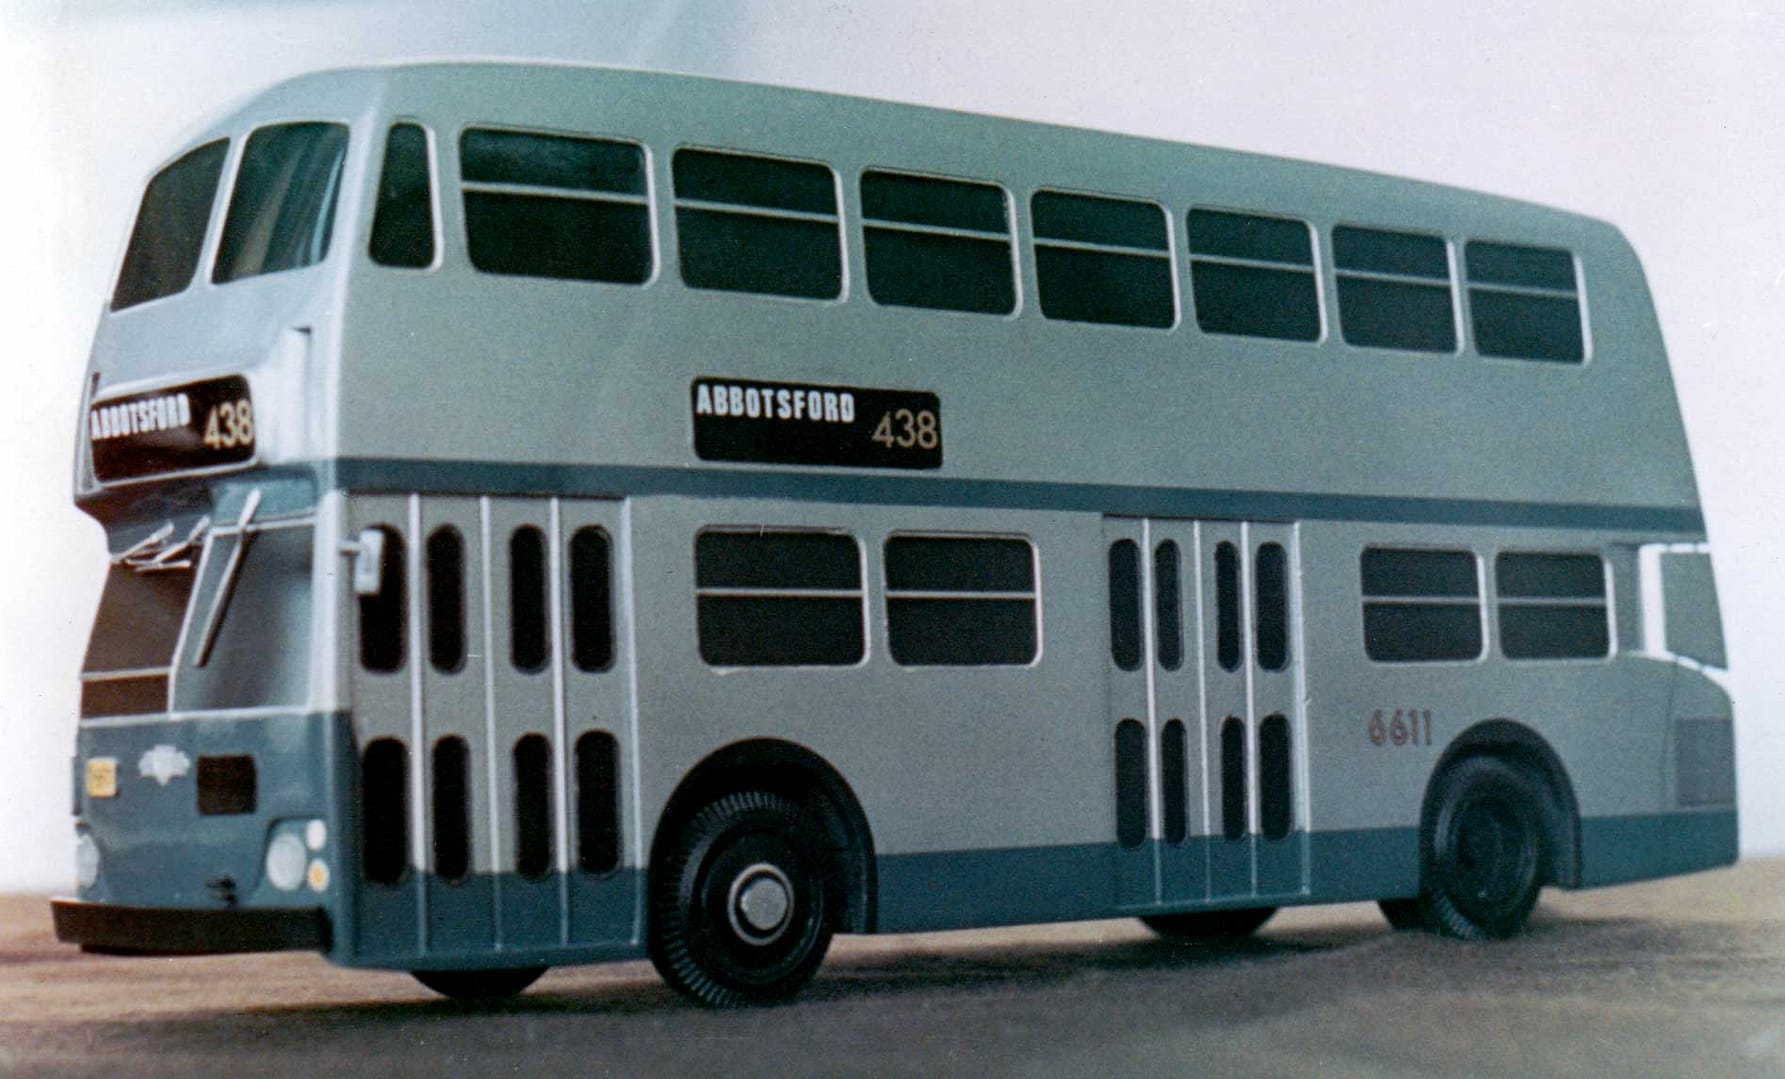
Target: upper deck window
x=170, y=227
x=555, y=206
x=1524, y=302
x=937, y=243
x=283, y=208
x=403, y=226
x=758, y=224
x=1102, y=260
x=1253, y=276
x=1394, y=290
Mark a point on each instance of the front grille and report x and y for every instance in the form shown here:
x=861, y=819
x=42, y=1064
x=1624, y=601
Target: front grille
x=1704, y=751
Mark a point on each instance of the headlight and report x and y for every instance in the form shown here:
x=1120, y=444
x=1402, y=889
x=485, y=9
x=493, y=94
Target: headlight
x=86, y=861
x=286, y=862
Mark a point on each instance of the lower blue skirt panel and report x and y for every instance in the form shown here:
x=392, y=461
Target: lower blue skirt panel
x=1614, y=850
x=964, y=889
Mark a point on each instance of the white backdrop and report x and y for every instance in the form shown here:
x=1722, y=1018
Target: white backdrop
x=1664, y=118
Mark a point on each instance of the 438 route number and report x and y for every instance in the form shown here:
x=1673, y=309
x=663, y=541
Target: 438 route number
x=904, y=428
x=230, y=424
x=1401, y=727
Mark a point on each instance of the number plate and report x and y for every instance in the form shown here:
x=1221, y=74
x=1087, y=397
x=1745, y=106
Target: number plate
x=789, y=423
x=178, y=429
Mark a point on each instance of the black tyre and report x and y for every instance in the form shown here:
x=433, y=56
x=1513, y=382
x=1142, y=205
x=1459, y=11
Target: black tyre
x=1482, y=851
x=478, y=984
x=1210, y=926
x=741, y=906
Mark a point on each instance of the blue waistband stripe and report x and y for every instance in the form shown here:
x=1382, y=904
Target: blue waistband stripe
x=484, y=477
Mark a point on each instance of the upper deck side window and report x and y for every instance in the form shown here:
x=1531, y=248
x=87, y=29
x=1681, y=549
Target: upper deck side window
x=1394, y=289
x=1253, y=276
x=1101, y=259
x=403, y=223
x=758, y=224
x=937, y=243
x=555, y=206
x=170, y=227
x=283, y=207
x=1524, y=302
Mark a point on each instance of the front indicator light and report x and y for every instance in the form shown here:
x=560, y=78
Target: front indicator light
x=102, y=777
x=318, y=875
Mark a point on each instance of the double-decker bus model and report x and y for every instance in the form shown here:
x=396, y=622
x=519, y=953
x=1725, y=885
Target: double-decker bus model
x=560, y=515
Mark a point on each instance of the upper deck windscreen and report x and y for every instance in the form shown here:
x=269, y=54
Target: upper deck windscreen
x=283, y=208
x=170, y=227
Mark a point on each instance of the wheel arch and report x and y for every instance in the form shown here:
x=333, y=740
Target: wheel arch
x=1520, y=746
x=801, y=775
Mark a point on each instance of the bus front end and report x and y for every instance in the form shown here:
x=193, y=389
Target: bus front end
x=213, y=749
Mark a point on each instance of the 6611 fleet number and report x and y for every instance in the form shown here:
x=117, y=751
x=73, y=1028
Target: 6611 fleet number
x=1400, y=727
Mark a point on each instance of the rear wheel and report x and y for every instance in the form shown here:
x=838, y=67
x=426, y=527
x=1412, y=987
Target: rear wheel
x=1210, y=926
x=1482, y=853
x=740, y=909
x=478, y=984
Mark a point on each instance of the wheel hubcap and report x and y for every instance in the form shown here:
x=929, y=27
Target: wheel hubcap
x=758, y=904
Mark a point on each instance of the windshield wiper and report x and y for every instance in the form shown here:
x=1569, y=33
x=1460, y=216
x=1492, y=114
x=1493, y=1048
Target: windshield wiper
x=226, y=585
x=154, y=553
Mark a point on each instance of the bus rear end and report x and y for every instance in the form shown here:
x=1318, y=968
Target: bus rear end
x=207, y=777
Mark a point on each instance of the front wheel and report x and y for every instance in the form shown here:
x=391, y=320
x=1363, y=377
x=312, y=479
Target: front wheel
x=1209, y=926
x=739, y=908
x=1482, y=853
x=478, y=984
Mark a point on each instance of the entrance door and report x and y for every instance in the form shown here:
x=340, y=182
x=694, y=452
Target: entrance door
x=1156, y=706
x=1204, y=691
x=1253, y=738
x=493, y=726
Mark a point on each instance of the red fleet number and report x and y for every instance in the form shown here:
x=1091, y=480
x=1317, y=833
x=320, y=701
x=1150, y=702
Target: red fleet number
x=1401, y=727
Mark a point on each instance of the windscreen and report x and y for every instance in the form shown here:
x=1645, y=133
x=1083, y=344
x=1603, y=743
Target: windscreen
x=283, y=207
x=170, y=227
x=134, y=635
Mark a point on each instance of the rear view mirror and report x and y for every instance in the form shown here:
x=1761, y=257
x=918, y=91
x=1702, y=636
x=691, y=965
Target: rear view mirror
x=368, y=562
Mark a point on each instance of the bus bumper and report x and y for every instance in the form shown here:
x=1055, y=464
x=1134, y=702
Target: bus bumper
x=111, y=929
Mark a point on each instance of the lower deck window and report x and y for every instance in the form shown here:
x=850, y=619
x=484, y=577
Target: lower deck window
x=1552, y=606
x=779, y=599
x=1421, y=606
x=960, y=601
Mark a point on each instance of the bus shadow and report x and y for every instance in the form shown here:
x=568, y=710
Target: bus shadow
x=881, y=975
x=864, y=988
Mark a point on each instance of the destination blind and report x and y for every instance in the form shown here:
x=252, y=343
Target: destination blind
x=792, y=423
